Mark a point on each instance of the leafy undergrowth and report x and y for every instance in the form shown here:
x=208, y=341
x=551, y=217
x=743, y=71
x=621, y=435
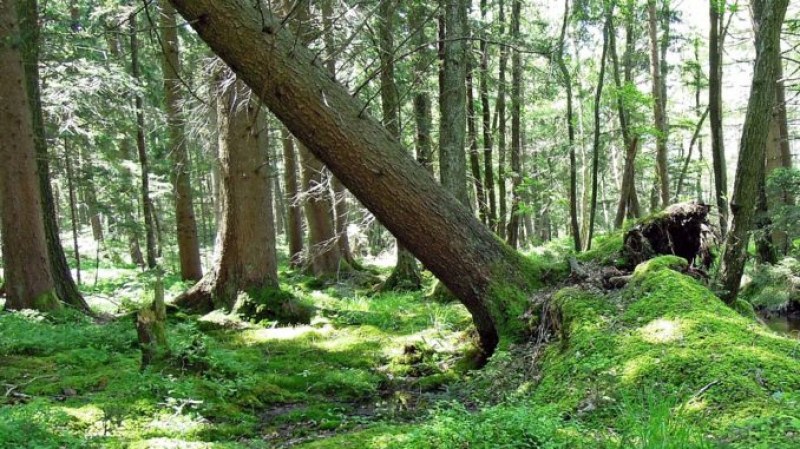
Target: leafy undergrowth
x=68, y=382
x=661, y=364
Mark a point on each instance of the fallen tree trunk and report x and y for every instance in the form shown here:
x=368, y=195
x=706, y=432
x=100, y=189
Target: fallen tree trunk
x=487, y=276
x=682, y=229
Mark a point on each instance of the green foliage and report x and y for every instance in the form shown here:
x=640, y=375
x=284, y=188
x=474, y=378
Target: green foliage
x=273, y=304
x=773, y=287
x=606, y=250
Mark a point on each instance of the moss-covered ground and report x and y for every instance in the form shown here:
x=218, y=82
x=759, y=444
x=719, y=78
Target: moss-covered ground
x=661, y=363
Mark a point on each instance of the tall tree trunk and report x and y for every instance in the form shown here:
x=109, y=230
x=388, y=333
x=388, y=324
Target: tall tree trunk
x=501, y=127
x=405, y=275
x=486, y=120
x=751, y=149
x=422, y=99
x=598, y=96
x=141, y=147
x=342, y=212
x=453, y=102
x=516, y=126
x=659, y=111
x=294, y=215
x=28, y=279
x=575, y=228
x=73, y=214
x=715, y=113
x=66, y=289
x=246, y=259
x=487, y=276
x=474, y=156
x=188, y=242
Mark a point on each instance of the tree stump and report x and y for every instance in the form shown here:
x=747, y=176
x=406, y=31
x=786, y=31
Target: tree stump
x=151, y=327
x=682, y=229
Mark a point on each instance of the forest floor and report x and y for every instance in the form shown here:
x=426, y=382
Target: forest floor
x=660, y=363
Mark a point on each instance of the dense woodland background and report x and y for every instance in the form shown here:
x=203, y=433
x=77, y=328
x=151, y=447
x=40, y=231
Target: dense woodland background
x=141, y=177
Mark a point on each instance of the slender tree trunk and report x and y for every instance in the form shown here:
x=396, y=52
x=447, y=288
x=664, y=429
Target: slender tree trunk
x=501, y=128
x=65, y=286
x=342, y=213
x=486, y=116
x=422, y=100
x=659, y=111
x=141, y=147
x=73, y=214
x=246, y=259
x=575, y=228
x=294, y=216
x=715, y=113
x=487, y=276
x=751, y=150
x=28, y=279
x=516, y=126
x=596, y=145
x=188, y=242
x=453, y=102
x=474, y=156
x=405, y=275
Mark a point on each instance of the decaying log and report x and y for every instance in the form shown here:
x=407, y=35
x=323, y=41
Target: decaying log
x=682, y=229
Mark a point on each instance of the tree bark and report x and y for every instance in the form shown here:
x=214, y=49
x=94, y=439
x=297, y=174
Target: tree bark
x=487, y=276
x=422, y=100
x=607, y=30
x=715, y=114
x=188, y=242
x=486, y=121
x=246, y=258
x=453, y=102
x=474, y=156
x=28, y=279
x=751, y=149
x=294, y=215
x=141, y=147
x=659, y=111
x=575, y=228
x=405, y=275
x=501, y=127
x=512, y=234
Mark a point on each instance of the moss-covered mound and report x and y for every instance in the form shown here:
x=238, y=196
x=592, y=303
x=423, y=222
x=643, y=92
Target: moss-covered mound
x=662, y=364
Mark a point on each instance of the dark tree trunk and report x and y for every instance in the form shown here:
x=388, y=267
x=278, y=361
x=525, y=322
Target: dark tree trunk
x=188, y=243
x=246, y=259
x=715, y=113
x=65, y=286
x=487, y=276
x=575, y=228
x=141, y=147
x=512, y=234
x=659, y=110
x=474, y=156
x=294, y=212
x=501, y=128
x=28, y=279
x=486, y=116
x=751, y=149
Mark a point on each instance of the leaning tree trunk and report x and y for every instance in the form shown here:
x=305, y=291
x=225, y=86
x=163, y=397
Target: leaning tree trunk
x=28, y=279
x=751, y=148
x=487, y=276
x=188, y=242
x=246, y=258
x=65, y=286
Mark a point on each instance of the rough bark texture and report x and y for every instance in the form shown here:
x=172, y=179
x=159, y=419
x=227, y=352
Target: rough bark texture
x=659, y=111
x=245, y=254
x=575, y=228
x=65, y=286
x=751, y=149
x=188, y=243
x=487, y=276
x=453, y=102
x=512, y=233
x=715, y=115
x=28, y=279
x=294, y=212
